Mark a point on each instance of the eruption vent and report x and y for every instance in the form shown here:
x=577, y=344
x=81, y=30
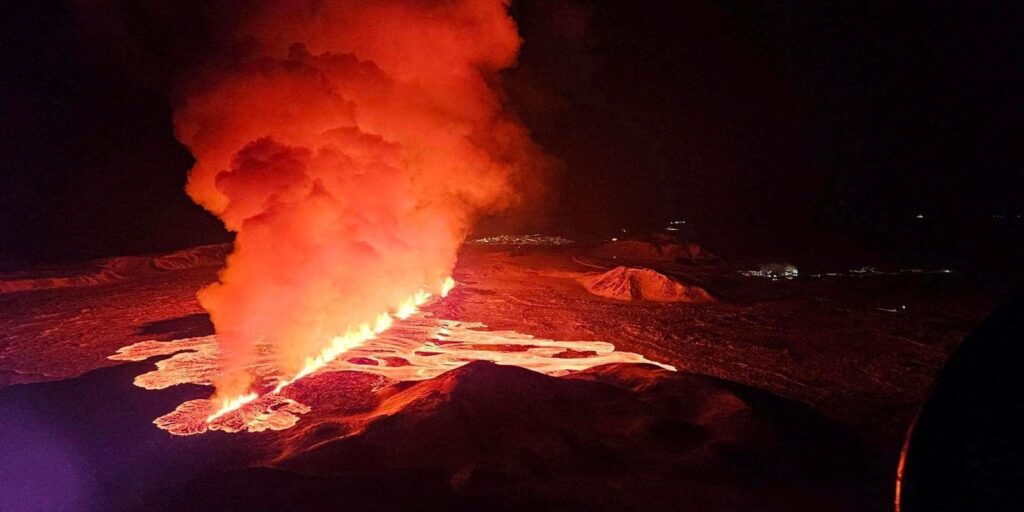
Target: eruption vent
x=350, y=145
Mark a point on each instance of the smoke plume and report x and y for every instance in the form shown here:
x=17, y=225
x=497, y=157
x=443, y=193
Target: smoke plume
x=350, y=145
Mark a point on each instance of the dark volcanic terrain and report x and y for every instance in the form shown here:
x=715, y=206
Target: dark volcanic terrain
x=791, y=394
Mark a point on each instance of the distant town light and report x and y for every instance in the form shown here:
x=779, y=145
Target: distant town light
x=773, y=271
x=535, y=239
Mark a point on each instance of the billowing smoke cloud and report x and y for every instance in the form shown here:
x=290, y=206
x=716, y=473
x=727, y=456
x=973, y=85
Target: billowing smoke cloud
x=350, y=145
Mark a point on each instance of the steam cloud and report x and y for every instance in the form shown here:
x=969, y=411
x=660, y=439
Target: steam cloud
x=350, y=145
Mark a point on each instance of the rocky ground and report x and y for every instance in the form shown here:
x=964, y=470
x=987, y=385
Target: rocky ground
x=791, y=394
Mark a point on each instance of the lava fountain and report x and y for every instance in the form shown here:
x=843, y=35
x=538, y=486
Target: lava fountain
x=350, y=146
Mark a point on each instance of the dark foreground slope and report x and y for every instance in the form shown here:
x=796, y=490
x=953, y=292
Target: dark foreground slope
x=613, y=438
x=617, y=437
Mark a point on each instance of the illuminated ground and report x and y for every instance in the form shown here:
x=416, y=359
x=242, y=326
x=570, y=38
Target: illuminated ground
x=858, y=351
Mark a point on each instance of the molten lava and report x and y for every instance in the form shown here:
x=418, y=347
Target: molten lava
x=232, y=404
x=339, y=345
x=416, y=348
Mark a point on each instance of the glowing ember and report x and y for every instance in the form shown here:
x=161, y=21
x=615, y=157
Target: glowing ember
x=447, y=286
x=232, y=404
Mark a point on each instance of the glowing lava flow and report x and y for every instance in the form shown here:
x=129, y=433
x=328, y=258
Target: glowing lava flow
x=419, y=348
x=232, y=404
x=339, y=345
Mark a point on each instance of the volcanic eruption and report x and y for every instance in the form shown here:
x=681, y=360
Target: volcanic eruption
x=350, y=146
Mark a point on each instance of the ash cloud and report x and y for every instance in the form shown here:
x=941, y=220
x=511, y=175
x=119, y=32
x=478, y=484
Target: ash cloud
x=351, y=146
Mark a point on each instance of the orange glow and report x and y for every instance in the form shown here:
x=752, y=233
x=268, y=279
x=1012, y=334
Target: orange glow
x=339, y=345
x=447, y=286
x=421, y=347
x=406, y=309
x=383, y=323
x=350, y=147
x=232, y=404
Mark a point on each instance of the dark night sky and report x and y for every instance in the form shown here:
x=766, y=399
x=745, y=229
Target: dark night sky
x=766, y=125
